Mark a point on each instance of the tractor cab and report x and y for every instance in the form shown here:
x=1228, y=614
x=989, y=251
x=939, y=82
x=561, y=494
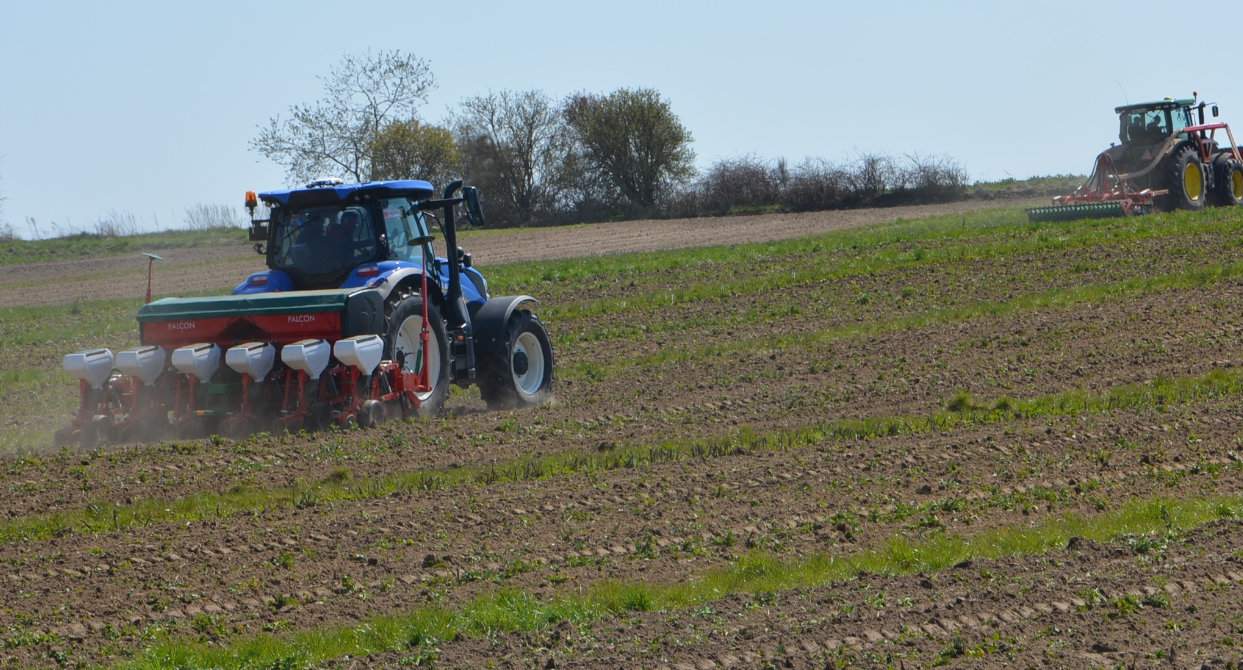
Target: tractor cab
x=320, y=246
x=1153, y=122
x=319, y=236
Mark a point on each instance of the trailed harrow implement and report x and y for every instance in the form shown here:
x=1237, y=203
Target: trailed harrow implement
x=1169, y=158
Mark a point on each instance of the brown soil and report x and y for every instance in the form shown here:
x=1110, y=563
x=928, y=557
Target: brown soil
x=94, y=595
x=1088, y=606
x=1083, y=347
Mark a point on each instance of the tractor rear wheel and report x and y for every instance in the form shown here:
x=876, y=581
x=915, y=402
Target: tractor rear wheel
x=1227, y=182
x=1186, y=180
x=404, y=344
x=520, y=375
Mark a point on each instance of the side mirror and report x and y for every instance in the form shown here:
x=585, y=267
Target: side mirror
x=1215, y=111
x=474, y=211
x=258, y=232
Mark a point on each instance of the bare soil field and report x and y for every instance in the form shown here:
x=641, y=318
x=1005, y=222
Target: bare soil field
x=960, y=441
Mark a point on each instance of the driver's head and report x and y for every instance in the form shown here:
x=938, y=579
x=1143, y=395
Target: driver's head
x=350, y=218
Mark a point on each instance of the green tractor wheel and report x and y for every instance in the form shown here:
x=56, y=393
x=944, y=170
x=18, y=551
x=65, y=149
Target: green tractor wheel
x=1186, y=180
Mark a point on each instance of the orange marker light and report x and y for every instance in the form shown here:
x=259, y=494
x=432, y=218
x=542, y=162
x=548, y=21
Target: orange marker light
x=252, y=201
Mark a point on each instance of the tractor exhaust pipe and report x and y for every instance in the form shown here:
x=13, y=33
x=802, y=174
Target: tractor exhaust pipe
x=454, y=294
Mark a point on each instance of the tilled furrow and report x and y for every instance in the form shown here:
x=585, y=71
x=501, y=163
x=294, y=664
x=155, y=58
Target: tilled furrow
x=152, y=557
x=760, y=410
x=446, y=570
x=944, y=627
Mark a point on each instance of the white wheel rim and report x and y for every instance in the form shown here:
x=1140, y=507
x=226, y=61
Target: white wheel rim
x=532, y=379
x=409, y=341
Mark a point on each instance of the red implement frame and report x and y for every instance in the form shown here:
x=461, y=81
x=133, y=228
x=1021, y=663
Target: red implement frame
x=352, y=389
x=1105, y=186
x=1204, y=134
x=126, y=403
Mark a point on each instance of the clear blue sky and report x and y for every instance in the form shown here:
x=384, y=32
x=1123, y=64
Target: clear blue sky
x=148, y=107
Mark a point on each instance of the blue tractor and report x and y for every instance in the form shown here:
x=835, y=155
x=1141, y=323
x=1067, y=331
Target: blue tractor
x=379, y=235
x=356, y=317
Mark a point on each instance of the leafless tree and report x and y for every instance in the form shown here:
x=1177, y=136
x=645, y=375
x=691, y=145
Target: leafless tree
x=740, y=182
x=816, y=184
x=116, y=223
x=203, y=217
x=335, y=134
x=934, y=178
x=872, y=175
x=6, y=228
x=516, y=146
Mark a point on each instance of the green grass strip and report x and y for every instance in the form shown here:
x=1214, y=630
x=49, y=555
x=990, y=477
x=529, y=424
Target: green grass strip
x=511, y=611
x=1052, y=299
x=980, y=227
x=743, y=274
x=86, y=245
x=965, y=411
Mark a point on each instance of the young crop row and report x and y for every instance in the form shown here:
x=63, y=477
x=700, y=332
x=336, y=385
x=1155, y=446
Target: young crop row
x=207, y=506
x=510, y=611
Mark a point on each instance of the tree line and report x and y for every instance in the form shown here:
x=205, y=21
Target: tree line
x=588, y=157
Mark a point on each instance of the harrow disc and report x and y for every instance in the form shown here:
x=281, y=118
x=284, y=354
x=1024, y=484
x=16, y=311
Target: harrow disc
x=1095, y=210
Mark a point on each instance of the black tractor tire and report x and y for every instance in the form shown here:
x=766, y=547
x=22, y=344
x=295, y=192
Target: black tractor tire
x=1186, y=180
x=1227, y=182
x=410, y=312
x=521, y=374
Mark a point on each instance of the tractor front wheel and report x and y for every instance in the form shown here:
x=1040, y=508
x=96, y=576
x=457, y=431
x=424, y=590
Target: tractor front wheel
x=520, y=375
x=1227, y=182
x=404, y=344
x=1187, y=182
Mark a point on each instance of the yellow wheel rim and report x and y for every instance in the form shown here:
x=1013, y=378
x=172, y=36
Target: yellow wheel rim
x=1236, y=177
x=1193, y=182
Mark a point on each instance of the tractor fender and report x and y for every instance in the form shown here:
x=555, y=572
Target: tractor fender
x=265, y=281
x=390, y=281
x=491, y=321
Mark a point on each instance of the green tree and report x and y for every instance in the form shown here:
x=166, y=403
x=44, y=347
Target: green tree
x=413, y=150
x=633, y=138
x=335, y=134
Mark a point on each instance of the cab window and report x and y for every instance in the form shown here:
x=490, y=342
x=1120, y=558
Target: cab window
x=1146, y=126
x=1181, y=119
x=402, y=224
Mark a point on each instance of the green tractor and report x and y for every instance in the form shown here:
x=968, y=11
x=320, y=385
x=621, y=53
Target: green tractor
x=1168, y=158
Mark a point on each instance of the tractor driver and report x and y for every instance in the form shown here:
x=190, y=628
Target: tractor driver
x=345, y=234
x=1156, y=126
x=1134, y=128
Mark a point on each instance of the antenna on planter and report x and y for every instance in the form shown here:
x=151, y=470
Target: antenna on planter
x=151, y=259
